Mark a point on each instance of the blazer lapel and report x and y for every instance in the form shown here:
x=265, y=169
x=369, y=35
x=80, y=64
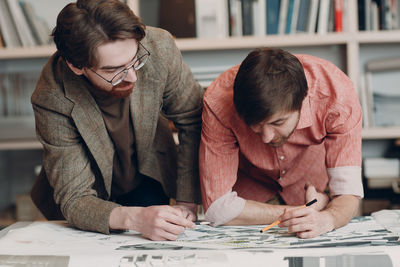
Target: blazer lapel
x=145, y=109
x=90, y=124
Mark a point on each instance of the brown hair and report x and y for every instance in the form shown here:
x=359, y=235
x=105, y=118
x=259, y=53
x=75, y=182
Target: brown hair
x=269, y=80
x=85, y=25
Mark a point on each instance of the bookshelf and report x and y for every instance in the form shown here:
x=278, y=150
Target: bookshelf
x=350, y=42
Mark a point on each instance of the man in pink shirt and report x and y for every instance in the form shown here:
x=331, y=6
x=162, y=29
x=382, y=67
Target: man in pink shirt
x=281, y=128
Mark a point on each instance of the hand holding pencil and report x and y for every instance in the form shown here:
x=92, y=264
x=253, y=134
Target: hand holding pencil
x=278, y=221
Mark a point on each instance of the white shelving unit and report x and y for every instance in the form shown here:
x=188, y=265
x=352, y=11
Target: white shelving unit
x=349, y=43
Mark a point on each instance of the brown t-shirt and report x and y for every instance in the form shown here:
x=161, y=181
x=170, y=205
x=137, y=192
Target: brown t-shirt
x=116, y=115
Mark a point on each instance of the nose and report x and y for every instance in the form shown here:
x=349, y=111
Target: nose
x=267, y=135
x=265, y=132
x=131, y=75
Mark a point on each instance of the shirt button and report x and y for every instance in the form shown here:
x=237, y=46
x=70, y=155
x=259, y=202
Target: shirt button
x=283, y=172
x=282, y=157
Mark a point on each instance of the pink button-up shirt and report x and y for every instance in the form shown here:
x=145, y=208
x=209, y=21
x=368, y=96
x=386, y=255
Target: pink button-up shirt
x=324, y=149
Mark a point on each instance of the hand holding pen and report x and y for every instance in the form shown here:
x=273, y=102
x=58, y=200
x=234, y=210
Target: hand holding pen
x=278, y=221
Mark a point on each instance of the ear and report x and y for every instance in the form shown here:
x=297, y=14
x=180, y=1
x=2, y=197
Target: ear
x=76, y=70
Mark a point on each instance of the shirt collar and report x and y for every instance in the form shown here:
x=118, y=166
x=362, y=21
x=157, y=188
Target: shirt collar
x=305, y=114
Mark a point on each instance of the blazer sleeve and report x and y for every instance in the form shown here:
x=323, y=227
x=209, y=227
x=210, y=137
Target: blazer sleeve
x=67, y=163
x=182, y=104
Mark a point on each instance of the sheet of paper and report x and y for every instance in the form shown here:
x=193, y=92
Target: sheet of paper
x=389, y=219
x=204, y=245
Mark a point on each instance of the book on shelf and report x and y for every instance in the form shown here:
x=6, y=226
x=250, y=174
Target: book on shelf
x=21, y=23
x=41, y=31
x=178, y=17
x=289, y=17
x=235, y=17
x=260, y=17
x=15, y=93
x=366, y=102
x=376, y=15
x=273, y=11
x=312, y=16
x=7, y=26
x=303, y=16
x=361, y=15
x=295, y=16
x=331, y=16
x=379, y=101
x=283, y=11
x=1, y=41
x=247, y=17
x=323, y=16
x=212, y=20
x=338, y=8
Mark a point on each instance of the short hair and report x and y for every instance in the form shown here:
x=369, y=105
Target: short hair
x=85, y=25
x=268, y=81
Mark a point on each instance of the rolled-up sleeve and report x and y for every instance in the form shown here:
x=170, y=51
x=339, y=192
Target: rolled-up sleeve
x=343, y=140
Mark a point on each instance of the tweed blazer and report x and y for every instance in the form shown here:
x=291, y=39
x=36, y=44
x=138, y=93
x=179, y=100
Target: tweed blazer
x=76, y=177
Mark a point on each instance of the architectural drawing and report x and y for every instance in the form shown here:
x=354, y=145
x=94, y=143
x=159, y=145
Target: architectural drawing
x=204, y=245
x=191, y=259
x=361, y=231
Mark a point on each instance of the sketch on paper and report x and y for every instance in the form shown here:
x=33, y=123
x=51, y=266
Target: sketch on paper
x=361, y=231
x=33, y=260
x=173, y=259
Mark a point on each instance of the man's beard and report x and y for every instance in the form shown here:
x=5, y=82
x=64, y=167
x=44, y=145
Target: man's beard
x=283, y=138
x=121, y=93
x=114, y=92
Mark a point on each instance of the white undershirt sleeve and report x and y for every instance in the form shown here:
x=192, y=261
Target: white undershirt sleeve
x=225, y=209
x=345, y=181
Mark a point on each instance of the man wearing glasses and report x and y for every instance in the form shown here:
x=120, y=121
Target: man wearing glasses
x=101, y=108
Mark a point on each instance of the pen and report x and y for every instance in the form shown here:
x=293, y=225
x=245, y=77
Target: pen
x=278, y=221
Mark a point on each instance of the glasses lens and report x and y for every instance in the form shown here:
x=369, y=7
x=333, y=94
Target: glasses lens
x=119, y=77
x=141, y=61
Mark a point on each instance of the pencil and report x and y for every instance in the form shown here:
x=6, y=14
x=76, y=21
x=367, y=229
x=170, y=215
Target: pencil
x=278, y=221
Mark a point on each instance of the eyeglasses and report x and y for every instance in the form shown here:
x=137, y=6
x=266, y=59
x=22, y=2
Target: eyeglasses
x=141, y=59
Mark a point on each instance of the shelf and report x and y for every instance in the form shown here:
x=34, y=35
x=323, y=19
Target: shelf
x=381, y=133
x=27, y=52
x=376, y=37
x=244, y=42
x=192, y=44
x=20, y=144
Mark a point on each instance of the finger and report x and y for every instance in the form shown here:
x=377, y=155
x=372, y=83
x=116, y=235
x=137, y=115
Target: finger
x=191, y=216
x=176, y=210
x=179, y=220
x=294, y=213
x=301, y=227
x=311, y=191
x=161, y=235
x=293, y=221
x=173, y=228
x=307, y=234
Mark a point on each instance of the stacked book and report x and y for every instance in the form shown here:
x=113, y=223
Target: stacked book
x=376, y=15
x=20, y=26
x=380, y=92
x=224, y=18
x=15, y=93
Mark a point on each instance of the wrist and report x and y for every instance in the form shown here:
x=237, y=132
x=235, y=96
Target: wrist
x=124, y=218
x=329, y=221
